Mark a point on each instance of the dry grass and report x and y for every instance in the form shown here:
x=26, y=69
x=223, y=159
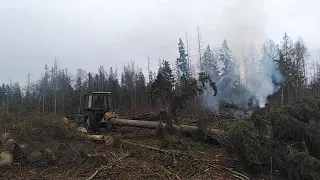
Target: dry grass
x=175, y=158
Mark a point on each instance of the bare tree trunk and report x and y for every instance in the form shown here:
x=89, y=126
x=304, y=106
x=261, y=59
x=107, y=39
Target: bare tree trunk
x=154, y=125
x=282, y=96
x=63, y=102
x=199, y=47
x=55, y=102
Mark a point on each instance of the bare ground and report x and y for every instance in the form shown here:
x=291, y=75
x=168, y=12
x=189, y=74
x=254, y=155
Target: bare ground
x=139, y=155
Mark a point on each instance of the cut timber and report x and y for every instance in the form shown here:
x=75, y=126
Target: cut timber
x=154, y=125
x=4, y=137
x=140, y=116
x=6, y=158
x=82, y=130
x=108, y=140
x=6, y=155
x=95, y=137
x=65, y=120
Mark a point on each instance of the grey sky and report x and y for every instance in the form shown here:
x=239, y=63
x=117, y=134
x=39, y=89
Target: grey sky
x=85, y=34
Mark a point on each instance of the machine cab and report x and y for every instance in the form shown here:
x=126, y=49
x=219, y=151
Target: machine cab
x=98, y=101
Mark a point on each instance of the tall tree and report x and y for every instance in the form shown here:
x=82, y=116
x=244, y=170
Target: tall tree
x=182, y=61
x=286, y=66
x=54, y=84
x=300, y=56
x=128, y=84
x=28, y=98
x=199, y=46
x=140, y=89
x=113, y=86
x=163, y=84
x=209, y=64
x=228, y=74
x=16, y=101
x=79, y=88
x=102, y=79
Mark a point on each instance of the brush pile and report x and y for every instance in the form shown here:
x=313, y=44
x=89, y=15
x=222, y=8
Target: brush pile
x=284, y=138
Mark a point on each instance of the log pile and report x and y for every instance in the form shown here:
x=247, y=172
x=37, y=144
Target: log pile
x=7, y=148
x=154, y=125
x=10, y=150
x=108, y=140
x=138, y=116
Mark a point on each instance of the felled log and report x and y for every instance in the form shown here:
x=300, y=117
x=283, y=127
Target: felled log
x=136, y=116
x=4, y=137
x=65, y=120
x=6, y=154
x=82, y=130
x=6, y=158
x=154, y=125
x=95, y=137
x=106, y=139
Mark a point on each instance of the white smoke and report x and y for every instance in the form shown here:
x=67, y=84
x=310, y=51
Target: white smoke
x=244, y=30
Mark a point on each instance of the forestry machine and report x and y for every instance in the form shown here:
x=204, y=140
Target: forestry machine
x=97, y=110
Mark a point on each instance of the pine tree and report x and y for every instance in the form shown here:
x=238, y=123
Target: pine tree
x=270, y=57
x=182, y=61
x=209, y=64
x=28, y=98
x=163, y=84
x=113, y=86
x=228, y=74
x=141, y=89
x=79, y=88
x=225, y=55
x=251, y=66
x=90, y=85
x=45, y=87
x=300, y=56
x=286, y=66
x=102, y=79
x=16, y=101
x=54, y=84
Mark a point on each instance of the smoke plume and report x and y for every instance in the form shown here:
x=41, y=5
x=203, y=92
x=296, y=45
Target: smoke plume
x=256, y=71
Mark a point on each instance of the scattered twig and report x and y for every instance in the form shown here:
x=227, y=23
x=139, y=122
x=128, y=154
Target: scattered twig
x=74, y=150
x=192, y=174
x=106, y=166
x=167, y=171
x=239, y=177
x=228, y=169
x=113, y=154
x=177, y=177
x=46, y=170
x=162, y=150
x=184, y=167
x=80, y=167
x=166, y=156
x=69, y=172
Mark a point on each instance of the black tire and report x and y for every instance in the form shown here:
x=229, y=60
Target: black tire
x=92, y=124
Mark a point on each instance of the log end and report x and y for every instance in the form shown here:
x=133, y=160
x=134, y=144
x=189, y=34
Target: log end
x=65, y=120
x=4, y=137
x=108, y=140
x=6, y=158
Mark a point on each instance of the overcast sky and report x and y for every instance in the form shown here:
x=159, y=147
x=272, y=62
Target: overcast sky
x=85, y=34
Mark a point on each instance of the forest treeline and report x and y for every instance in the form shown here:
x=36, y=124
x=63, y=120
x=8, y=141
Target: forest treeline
x=282, y=67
